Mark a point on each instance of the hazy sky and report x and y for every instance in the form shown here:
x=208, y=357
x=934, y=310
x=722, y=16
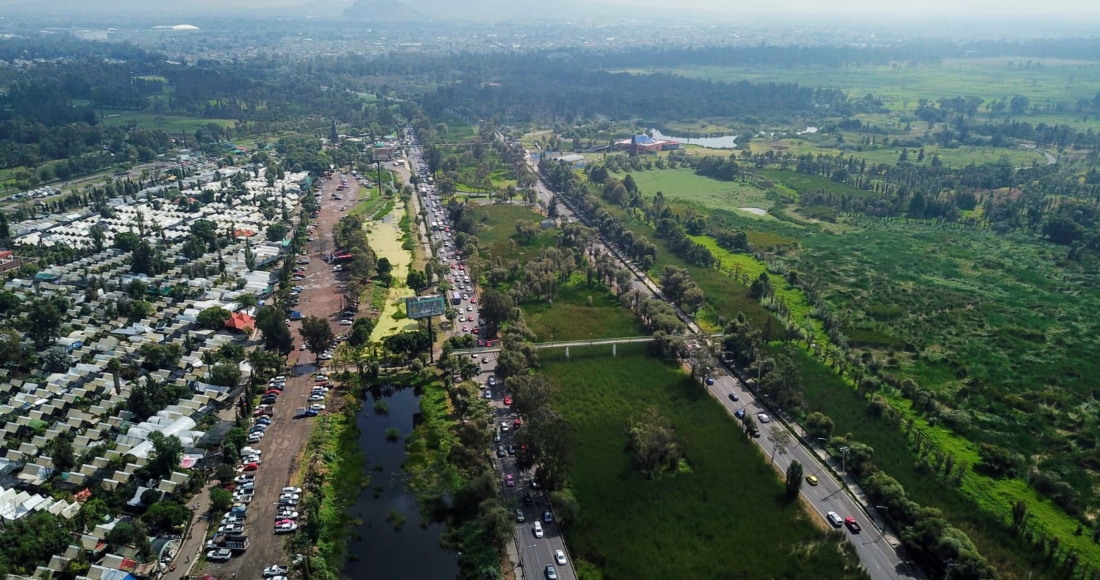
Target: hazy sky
x=779, y=9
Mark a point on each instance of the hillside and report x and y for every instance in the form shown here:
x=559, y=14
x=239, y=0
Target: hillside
x=382, y=11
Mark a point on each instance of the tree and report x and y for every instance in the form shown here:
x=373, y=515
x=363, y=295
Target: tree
x=527, y=230
x=566, y=506
x=214, y=318
x=11, y=347
x=166, y=454
x=653, y=444
x=137, y=289
x=220, y=499
x=818, y=425
x=166, y=516
x=43, y=322
x=60, y=450
x=56, y=359
x=276, y=232
x=780, y=439
x=794, y=479
x=225, y=374
x=317, y=334
x=416, y=281
x=272, y=324
x=224, y=473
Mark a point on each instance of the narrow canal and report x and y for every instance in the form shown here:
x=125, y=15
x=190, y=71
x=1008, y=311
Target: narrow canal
x=376, y=548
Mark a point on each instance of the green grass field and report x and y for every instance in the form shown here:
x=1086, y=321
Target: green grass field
x=683, y=184
x=902, y=85
x=572, y=317
x=497, y=231
x=724, y=519
x=170, y=124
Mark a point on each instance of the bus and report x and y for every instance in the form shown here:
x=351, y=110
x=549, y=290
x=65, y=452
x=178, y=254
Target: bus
x=456, y=298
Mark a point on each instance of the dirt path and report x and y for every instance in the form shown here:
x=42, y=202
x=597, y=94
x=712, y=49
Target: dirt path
x=287, y=437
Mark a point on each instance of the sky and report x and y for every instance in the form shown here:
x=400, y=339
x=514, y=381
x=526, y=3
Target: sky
x=779, y=9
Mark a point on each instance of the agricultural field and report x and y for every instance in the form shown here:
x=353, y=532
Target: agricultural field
x=722, y=518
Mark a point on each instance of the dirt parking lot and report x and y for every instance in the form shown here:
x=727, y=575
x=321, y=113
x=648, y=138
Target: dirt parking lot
x=287, y=436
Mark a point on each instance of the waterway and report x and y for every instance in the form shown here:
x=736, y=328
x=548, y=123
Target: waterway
x=376, y=549
x=720, y=142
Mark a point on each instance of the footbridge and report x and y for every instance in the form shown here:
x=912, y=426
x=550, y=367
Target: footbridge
x=567, y=344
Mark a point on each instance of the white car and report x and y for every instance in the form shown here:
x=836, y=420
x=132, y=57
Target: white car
x=347, y=322
x=317, y=407
x=245, y=478
x=275, y=571
x=538, y=529
x=222, y=555
x=763, y=417
x=294, y=496
x=559, y=557
x=316, y=397
x=286, y=528
x=292, y=490
x=286, y=514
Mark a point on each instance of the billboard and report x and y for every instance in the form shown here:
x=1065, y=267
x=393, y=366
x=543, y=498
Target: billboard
x=425, y=306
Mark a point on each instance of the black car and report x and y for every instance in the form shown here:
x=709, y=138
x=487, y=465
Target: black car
x=547, y=516
x=511, y=450
x=500, y=451
x=528, y=499
x=710, y=380
x=733, y=397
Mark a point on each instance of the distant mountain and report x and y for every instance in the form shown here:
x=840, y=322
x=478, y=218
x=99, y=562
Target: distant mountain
x=382, y=11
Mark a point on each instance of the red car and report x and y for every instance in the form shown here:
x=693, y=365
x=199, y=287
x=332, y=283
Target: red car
x=477, y=331
x=273, y=392
x=509, y=480
x=853, y=525
x=508, y=400
x=251, y=467
x=517, y=422
x=473, y=299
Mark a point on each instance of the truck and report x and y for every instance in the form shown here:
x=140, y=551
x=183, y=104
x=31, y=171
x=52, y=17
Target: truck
x=235, y=542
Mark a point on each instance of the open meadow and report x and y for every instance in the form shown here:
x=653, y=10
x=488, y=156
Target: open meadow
x=580, y=312
x=683, y=184
x=723, y=518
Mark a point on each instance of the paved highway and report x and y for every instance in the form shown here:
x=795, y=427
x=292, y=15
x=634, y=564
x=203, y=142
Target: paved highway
x=536, y=553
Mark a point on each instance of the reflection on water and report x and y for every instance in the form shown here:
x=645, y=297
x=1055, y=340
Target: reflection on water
x=376, y=549
x=721, y=142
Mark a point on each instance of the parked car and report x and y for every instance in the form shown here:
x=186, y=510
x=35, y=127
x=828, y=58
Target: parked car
x=509, y=480
x=503, y=425
x=286, y=528
x=222, y=555
x=292, y=490
x=316, y=397
x=346, y=322
x=508, y=400
x=286, y=514
x=316, y=407
x=500, y=451
x=293, y=496
x=275, y=571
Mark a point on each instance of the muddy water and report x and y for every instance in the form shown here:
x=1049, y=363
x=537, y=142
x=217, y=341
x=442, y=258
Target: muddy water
x=376, y=550
x=384, y=236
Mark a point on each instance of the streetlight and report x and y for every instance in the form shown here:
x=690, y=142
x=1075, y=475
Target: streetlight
x=844, y=459
x=885, y=512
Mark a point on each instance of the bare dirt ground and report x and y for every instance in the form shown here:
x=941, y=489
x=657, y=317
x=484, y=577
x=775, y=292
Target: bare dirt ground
x=283, y=446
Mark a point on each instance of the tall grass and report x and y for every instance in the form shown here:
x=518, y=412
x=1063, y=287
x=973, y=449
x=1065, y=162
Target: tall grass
x=726, y=518
x=572, y=317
